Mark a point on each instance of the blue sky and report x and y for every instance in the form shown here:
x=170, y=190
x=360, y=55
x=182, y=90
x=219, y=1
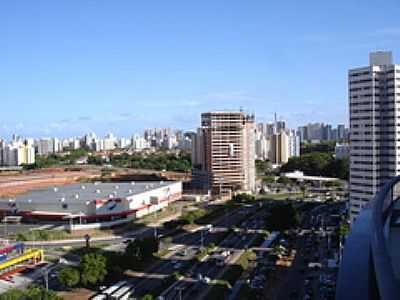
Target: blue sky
x=72, y=66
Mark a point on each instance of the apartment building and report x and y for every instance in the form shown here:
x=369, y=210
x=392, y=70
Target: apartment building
x=224, y=152
x=17, y=153
x=374, y=100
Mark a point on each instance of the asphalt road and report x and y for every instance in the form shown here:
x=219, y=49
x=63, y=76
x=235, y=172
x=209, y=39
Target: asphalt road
x=191, y=242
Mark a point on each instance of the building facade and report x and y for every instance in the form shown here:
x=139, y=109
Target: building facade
x=224, y=152
x=374, y=101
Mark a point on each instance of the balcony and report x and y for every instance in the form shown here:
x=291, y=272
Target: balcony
x=370, y=268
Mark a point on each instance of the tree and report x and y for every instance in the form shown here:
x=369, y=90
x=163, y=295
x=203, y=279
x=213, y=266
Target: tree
x=140, y=250
x=149, y=245
x=32, y=293
x=327, y=147
x=244, y=197
x=13, y=294
x=147, y=297
x=318, y=164
x=69, y=277
x=93, y=268
x=282, y=217
x=284, y=180
x=40, y=293
x=268, y=179
x=303, y=190
x=263, y=166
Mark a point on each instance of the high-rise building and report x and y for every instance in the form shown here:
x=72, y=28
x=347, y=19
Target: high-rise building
x=18, y=152
x=341, y=134
x=44, y=146
x=224, y=152
x=374, y=101
x=262, y=147
x=280, y=148
x=294, y=144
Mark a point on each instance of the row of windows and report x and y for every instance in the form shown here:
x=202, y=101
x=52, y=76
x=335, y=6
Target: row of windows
x=376, y=147
x=355, y=111
x=362, y=80
x=370, y=170
x=376, y=102
x=376, y=118
x=370, y=155
x=389, y=125
x=353, y=132
x=361, y=192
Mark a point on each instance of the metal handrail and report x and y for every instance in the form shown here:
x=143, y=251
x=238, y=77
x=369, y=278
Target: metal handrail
x=387, y=283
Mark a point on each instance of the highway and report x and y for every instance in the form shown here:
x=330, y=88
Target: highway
x=236, y=243
x=187, y=247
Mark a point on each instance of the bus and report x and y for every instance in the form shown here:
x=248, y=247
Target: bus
x=123, y=293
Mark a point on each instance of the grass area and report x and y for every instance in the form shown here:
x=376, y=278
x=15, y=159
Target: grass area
x=164, y=213
x=245, y=258
x=280, y=196
x=51, y=259
x=162, y=253
x=42, y=235
x=206, y=251
x=230, y=276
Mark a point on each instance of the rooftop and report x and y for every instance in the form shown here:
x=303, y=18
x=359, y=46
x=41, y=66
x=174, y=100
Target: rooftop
x=77, y=196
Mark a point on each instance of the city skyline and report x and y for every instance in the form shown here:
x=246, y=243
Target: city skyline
x=76, y=67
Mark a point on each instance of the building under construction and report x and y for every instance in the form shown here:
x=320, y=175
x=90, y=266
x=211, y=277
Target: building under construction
x=224, y=152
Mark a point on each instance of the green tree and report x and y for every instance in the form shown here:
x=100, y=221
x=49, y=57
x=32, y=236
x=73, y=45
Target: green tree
x=93, y=268
x=69, y=277
x=32, y=293
x=284, y=180
x=282, y=217
x=326, y=147
x=147, y=297
x=318, y=164
x=243, y=197
x=40, y=293
x=13, y=294
x=268, y=179
x=140, y=250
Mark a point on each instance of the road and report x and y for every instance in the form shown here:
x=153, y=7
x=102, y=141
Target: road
x=187, y=247
x=236, y=243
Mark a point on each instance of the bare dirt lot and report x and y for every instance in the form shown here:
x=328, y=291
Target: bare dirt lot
x=11, y=185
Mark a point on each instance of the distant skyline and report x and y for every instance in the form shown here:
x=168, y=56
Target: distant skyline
x=71, y=67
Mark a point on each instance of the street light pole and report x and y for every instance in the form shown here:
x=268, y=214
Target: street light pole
x=45, y=272
x=180, y=289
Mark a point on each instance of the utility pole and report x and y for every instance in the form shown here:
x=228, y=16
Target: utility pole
x=45, y=272
x=155, y=227
x=180, y=289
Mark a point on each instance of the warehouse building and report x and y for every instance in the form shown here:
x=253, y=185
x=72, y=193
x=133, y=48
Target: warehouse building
x=93, y=202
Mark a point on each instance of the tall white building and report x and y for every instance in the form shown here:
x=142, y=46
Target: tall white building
x=44, y=146
x=18, y=152
x=374, y=99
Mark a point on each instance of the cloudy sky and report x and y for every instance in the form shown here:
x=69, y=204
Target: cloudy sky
x=73, y=66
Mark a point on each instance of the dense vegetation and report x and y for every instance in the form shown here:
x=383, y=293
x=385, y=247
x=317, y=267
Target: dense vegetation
x=98, y=265
x=318, y=164
x=325, y=147
x=282, y=217
x=156, y=161
x=263, y=166
x=41, y=235
x=32, y=293
x=52, y=160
